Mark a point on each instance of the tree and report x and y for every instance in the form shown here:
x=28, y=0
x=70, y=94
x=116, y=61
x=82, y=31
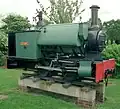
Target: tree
x=14, y=23
x=11, y=23
x=3, y=47
x=61, y=11
x=112, y=28
x=3, y=39
x=3, y=42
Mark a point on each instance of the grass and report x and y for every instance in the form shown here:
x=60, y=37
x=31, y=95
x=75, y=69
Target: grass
x=22, y=100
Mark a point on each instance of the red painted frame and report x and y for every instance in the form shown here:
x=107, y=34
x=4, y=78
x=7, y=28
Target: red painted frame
x=101, y=67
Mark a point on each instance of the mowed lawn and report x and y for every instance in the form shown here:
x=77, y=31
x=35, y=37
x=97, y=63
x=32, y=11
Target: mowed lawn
x=17, y=99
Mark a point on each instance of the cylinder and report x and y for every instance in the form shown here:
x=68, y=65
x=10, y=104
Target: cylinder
x=94, y=15
x=85, y=69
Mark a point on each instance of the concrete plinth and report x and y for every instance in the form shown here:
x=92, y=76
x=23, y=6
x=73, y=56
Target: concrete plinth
x=85, y=96
x=100, y=93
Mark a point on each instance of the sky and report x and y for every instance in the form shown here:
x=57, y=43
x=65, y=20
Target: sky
x=109, y=9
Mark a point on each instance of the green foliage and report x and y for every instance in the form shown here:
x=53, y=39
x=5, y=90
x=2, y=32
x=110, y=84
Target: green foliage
x=3, y=42
x=11, y=23
x=112, y=28
x=3, y=47
x=2, y=59
x=14, y=23
x=113, y=51
x=62, y=11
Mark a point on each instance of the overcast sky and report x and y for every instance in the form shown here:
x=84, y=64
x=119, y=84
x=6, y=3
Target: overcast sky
x=110, y=9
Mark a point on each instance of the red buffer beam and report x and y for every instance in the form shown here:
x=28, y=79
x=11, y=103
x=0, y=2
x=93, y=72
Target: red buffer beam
x=104, y=69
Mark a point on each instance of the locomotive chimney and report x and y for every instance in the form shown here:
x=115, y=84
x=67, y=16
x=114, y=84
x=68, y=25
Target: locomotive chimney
x=94, y=15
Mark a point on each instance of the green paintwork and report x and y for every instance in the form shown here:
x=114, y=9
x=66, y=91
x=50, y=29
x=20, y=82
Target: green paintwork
x=32, y=50
x=63, y=34
x=85, y=69
x=59, y=34
x=83, y=30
